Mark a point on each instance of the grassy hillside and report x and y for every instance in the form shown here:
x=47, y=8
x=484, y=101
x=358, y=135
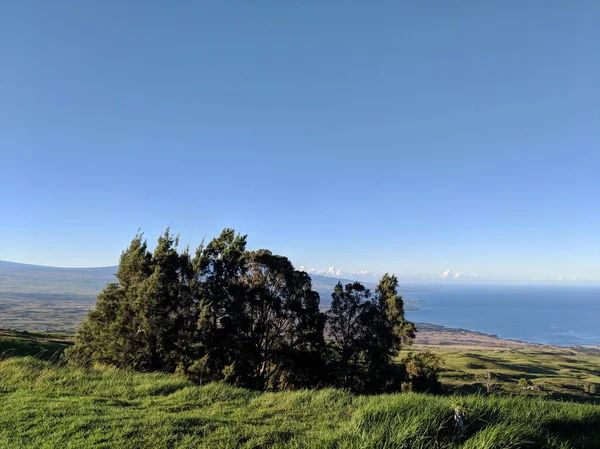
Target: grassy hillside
x=47, y=406
x=554, y=372
x=559, y=374
x=41, y=345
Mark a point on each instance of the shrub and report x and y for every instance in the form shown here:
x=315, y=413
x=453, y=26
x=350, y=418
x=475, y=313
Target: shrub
x=488, y=381
x=422, y=372
x=589, y=388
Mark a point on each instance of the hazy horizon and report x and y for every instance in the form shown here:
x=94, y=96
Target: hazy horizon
x=372, y=278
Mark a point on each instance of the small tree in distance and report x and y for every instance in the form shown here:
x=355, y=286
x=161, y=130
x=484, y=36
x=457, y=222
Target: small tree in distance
x=590, y=388
x=488, y=382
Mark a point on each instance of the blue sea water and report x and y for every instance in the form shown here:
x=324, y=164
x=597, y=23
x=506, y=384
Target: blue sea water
x=553, y=314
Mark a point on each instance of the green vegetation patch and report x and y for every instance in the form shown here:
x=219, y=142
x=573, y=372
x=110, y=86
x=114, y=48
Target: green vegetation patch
x=552, y=372
x=37, y=344
x=43, y=405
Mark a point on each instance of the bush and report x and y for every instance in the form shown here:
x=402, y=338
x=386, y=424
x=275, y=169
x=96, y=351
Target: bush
x=422, y=372
x=524, y=383
x=590, y=388
x=488, y=381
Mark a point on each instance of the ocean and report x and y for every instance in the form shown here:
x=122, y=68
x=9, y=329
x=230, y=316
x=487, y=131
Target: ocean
x=555, y=314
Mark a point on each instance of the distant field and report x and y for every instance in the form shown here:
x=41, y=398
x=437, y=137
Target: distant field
x=29, y=312
x=46, y=298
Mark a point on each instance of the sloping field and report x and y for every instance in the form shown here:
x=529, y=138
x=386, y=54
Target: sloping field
x=48, y=406
x=553, y=372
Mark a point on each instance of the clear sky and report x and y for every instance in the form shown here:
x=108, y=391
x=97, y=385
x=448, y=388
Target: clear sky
x=413, y=137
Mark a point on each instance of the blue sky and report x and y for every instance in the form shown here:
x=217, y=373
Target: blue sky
x=380, y=136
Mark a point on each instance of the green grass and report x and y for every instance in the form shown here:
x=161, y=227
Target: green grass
x=36, y=344
x=43, y=405
x=561, y=372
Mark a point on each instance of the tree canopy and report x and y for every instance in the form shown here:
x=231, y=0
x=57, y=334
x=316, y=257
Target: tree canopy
x=244, y=317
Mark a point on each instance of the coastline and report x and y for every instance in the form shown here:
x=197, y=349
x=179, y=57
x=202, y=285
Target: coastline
x=429, y=334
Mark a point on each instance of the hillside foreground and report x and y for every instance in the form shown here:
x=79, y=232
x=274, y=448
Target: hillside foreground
x=48, y=405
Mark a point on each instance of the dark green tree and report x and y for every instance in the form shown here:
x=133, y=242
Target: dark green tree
x=280, y=323
x=244, y=317
x=307, y=364
x=346, y=331
x=391, y=305
x=109, y=334
x=161, y=310
x=385, y=331
x=367, y=332
x=218, y=288
x=142, y=321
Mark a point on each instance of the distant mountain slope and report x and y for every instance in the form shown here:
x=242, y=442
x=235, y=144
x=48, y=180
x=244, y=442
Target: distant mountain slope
x=20, y=280
x=36, y=297
x=324, y=285
x=25, y=278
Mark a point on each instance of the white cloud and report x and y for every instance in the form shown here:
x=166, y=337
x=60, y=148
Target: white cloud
x=449, y=274
x=338, y=273
x=331, y=271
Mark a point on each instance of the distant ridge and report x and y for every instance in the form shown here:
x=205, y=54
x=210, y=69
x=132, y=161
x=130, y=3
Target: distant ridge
x=40, y=297
x=25, y=278
x=22, y=278
x=9, y=264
